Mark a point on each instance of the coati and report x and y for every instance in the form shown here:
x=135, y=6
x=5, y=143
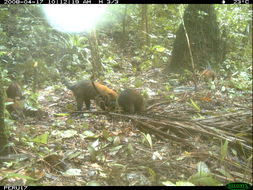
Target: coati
x=106, y=98
x=84, y=91
x=208, y=74
x=14, y=103
x=14, y=91
x=15, y=106
x=131, y=101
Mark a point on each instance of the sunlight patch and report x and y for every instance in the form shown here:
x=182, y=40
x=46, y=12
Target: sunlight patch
x=73, y=18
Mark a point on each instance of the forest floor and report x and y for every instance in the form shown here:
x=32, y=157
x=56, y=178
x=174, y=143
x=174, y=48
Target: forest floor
x=182, y=136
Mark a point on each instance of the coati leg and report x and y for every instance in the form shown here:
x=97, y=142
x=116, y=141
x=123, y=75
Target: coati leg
x=87, y=103
x=79, y=102
x=100, y=102
x=138, y=108
x=130, y=108
x=106, y=98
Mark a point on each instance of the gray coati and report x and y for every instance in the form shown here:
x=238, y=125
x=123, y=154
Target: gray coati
x=85, y=90
x=131, y=101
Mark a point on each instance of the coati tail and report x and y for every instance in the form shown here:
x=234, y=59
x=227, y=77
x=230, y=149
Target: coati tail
x=93, y=84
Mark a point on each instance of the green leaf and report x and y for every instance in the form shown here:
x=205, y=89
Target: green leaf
x=152, y=174
x=41, y=138
x=70, y=121
x=8, y=103
x=168, y=183
x=89, y=134
x=213, y=86
x=158, y=48
x=225, y=173
x=11, y=175
x=130, y=149
x=115, y=150
x=138, y=83
x=224, y=150
x=205, y=181
x=203, y=176
x=73, y=172
x=184, y=183
x=68, y=133
x=61, y=114
x=95, y=143
x=73, y=155
x=93, y=152
x=195, y=105
x=93, y=183
x=148, y=139
x=116, y=141
x=203, y=168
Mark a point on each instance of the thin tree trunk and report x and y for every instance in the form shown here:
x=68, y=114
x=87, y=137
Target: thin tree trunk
x=3, y=136
x=123, y=42
x=144, y=26
x=95, y=58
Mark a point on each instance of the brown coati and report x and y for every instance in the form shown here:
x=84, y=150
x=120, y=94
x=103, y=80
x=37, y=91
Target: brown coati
x=131, y=101
x=208, y=74
x=84, y=91
x=106, y=98
x=15, y=106
x=14, y=91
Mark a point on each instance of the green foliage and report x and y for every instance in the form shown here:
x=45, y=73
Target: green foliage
x=178, y=183
x=224, y=150
x=15, y=175
x=203, y=176
x=31, y=102
x=147, y=139
x=41, y=139
x=194, y=105
x=25, y=27
x=138, y=83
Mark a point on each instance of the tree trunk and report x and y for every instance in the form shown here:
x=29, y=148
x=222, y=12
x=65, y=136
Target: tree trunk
x=123, y=42
x=144, y=29
x=205, y=40
x=95, y=58
x=3, y=136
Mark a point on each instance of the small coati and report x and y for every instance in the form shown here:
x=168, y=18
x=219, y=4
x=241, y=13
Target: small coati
x=208, y=74
x=14, y=91
x=131, y=101
x=84, y=91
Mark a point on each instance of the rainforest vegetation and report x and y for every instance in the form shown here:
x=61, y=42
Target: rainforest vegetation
x=151, y=94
